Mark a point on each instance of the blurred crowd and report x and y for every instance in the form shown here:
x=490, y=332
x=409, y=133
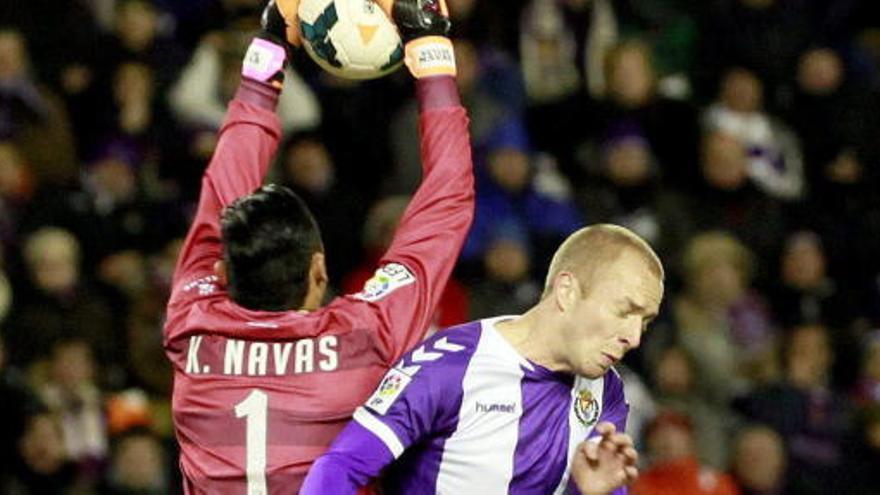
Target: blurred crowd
x=740, y=137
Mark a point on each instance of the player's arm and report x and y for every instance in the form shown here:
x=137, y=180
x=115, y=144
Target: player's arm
x=432, y=229
x=411, y=403
x=247, y=142
x=356, y=457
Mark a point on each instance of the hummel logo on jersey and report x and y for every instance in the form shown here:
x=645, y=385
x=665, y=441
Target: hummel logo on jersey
x=491, y=408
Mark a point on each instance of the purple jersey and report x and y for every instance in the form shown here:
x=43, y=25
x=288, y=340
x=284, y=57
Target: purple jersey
x=472, y=416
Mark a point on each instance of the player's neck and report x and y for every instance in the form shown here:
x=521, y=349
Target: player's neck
x=532, y=338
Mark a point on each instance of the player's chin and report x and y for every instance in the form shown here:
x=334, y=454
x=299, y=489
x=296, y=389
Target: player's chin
x=592, y=370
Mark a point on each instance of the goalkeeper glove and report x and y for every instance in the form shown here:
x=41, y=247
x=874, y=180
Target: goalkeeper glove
x=267, y=55
x=280, y=20
x=424, y=26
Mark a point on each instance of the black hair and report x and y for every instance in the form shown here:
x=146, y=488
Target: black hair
x=269, y=237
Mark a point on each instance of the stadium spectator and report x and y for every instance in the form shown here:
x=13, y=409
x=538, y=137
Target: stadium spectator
x=506, y=286
x=71, y=394
x=774, y=155
x=148, y=367
x=132, y=115
x=548, y=50
x=766, y=36
x=515, y=190
x=510, y=402
x=198, y=98
x=838, y=161
x=674, y=468
x=624, y=187
x=676, y=389
x=141, y=35
x=631, y=100
x=723, y=323
x=138, y=465
x=826, y=92
x=814, y=420
x=59, y=303
x=32, y=115
x=726, y=198
x=115, y=207
x=41, y=465
x=805, y=293
x=759, y=461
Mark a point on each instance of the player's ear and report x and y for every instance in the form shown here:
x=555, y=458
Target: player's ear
x=565, y=291
x=318, y=271
x=220, y=271
x=317, y=281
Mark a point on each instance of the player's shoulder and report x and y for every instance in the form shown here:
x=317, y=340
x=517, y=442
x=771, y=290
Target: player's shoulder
x=450, y=347
x=437, y=365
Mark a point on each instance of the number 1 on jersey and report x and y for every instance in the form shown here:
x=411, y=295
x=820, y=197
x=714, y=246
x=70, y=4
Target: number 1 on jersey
x=255, y=408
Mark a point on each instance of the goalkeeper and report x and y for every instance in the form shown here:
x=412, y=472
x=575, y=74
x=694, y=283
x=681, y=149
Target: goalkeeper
x=264, y=377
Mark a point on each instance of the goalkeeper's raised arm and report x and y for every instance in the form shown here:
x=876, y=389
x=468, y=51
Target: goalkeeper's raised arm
x=434, y=226
x=265, y=374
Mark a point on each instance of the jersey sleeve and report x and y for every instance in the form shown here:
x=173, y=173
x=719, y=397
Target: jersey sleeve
x=417, y=399
x=247, y=142
x=355, y=457
x=412, y=274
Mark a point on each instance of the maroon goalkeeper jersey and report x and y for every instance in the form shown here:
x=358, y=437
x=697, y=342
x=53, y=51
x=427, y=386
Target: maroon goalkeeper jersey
x=259, y=395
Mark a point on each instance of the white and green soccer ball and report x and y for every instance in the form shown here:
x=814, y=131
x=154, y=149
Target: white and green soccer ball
x=353, y=39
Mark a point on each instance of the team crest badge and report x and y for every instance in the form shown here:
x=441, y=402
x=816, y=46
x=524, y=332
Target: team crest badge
x=586, y=408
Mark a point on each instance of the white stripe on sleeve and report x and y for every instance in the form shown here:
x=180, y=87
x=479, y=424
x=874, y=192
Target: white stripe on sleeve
x=380, y=429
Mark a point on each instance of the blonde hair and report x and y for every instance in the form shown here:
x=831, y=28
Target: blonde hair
x=590, y=248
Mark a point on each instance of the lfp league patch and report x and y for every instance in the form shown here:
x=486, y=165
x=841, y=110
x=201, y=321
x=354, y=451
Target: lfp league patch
x=389, y=390
x=385, y=281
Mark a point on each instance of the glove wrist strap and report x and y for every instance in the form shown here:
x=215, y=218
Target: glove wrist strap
x=430, y=56
x=264, y=61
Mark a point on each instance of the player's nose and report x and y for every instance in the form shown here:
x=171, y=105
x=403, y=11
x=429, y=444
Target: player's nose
x=632, y=338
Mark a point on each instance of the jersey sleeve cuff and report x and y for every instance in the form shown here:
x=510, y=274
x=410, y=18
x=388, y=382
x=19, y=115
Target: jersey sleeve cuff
x=437, y=92
x=381, y=430
x=258, y=93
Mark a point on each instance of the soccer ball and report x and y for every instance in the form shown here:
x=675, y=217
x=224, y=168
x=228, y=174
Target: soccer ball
x=353, y=39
